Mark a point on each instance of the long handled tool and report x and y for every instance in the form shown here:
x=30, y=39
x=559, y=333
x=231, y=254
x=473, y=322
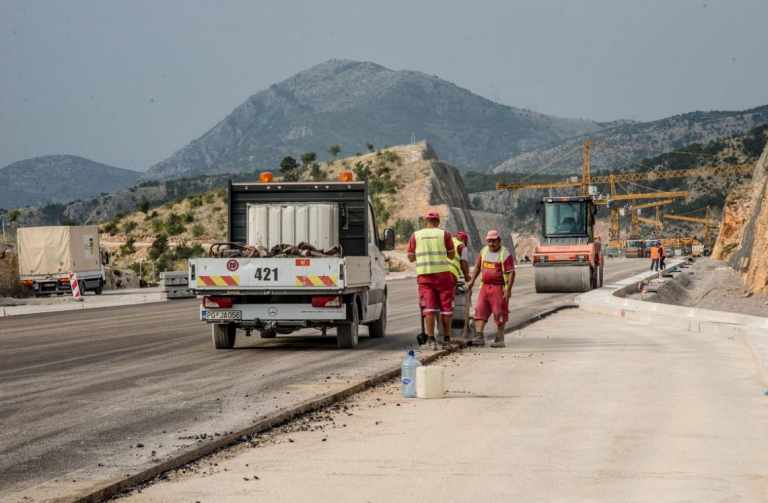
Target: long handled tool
x=422, y=337
x=466, y=314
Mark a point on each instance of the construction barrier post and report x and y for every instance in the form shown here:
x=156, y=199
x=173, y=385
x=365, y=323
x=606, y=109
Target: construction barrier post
x=73, y=283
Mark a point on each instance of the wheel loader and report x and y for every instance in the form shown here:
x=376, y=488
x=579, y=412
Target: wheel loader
x=569, y=259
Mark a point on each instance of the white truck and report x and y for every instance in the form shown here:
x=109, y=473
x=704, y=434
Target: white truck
x=47, y=256
x=242, y=287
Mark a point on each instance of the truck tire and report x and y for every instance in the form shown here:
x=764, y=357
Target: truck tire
x=347, y=334
x=378, y=328
x=267, y=334
x=224, y=335
x=99, y=288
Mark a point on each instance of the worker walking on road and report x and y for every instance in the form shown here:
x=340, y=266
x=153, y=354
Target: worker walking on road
x=497, y=268
x=662, y=257
x=655, y=256
x=460, y=263
x=432, y=249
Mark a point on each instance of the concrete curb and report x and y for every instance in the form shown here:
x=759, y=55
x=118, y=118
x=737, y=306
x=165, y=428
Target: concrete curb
x=278, y=418
x=612, y=301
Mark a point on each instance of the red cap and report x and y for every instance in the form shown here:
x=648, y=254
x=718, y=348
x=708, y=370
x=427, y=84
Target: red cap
x=493, y=235
x=433, y=214
x=462, y=236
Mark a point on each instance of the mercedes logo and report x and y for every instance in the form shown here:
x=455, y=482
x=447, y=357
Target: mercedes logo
x=272, y=311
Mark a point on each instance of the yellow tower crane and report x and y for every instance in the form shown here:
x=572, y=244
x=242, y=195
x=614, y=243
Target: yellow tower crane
x=634, y=232
x=707, y=221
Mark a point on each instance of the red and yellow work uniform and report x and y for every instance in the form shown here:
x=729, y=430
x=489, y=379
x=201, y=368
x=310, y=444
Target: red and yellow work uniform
x=461, y=254
x=495, y=270
x=435, y=279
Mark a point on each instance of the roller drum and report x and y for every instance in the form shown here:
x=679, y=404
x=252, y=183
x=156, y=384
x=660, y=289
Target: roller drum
x=564, y=279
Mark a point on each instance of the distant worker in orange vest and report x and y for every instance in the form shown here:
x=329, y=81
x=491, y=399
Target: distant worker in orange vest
x=433, y=251
x=655, y=255
x=662, y=257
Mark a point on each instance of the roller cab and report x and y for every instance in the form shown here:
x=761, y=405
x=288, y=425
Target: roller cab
x=569, y=259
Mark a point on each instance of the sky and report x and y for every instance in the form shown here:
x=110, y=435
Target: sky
x=127, y=83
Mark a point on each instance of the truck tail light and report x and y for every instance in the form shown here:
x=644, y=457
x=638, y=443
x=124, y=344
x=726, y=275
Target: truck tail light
x=217, y=302
x=326, y=301
x=266, y=177
x=27, y=282
x=346, y=176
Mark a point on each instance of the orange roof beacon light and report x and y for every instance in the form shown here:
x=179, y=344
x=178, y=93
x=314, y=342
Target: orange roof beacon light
x=346, y=176
x=266, y=177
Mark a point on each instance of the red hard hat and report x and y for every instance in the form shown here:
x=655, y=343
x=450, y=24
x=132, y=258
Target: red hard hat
x=461, y=235
x=433, y=214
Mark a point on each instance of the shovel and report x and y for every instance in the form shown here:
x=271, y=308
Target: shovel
x=422, y=337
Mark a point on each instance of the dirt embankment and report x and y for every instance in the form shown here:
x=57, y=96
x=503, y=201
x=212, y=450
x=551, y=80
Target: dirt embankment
x=9, y=273
x=743, y=239
x=709, y=284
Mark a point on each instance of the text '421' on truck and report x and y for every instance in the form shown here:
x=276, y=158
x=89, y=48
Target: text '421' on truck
x=300, y=255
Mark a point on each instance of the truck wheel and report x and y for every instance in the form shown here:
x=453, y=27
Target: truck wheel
x=378, y=328
x=99, y=288
x=224, y=335
x=347, y=334
x=267, y=334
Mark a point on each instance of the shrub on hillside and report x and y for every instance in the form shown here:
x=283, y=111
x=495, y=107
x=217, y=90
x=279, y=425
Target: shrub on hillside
x=110, y=228
x=174, y=224
x=197, y=230
x=129, y=226
x=128, y=248
x=159, y=246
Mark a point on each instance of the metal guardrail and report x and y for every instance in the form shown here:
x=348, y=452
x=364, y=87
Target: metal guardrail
x=175, y=284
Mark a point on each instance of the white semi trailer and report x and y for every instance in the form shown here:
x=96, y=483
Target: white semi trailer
x=242, y=288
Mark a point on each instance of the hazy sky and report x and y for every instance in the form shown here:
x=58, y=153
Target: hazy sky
x=127, y=83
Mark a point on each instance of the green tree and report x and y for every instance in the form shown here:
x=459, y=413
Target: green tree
x=197, y=230
x=334, y=150
x=369, y=146
x=144, y=206
x=159, y=246
x=174, y=224
x=317, y=174
x=128, y=248
x=289, y=168
x=308, y=158
x=129, y=226
x=13, y=215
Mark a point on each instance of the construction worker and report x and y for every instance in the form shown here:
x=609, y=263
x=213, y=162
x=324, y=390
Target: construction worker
x=655, y=256
x=460, y=263
x=497, y=268
x=432, y=249
x=662, y=257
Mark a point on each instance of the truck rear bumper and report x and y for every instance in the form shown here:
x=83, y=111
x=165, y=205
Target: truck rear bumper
x=265, y=313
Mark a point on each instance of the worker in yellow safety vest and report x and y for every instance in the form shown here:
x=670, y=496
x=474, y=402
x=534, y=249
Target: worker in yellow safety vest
x=432, y=249
x=460, y=263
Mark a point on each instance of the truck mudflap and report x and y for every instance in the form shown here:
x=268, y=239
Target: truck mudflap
x=266, y=313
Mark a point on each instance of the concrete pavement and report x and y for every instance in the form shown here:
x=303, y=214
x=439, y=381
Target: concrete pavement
x=79, y=391
x=578, y=407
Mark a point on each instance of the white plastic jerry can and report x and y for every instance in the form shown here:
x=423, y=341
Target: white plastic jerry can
x=429, y=382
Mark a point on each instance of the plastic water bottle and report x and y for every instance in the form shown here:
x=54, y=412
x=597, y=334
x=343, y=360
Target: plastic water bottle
x=408, y=375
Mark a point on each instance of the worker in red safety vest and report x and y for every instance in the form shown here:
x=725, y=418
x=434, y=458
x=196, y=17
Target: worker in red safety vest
x=432, y=249
x=496, y=269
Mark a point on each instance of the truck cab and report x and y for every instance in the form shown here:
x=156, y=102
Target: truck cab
x=299, y=255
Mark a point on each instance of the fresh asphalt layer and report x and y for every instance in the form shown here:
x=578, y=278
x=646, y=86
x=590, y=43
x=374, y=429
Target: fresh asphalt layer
x=88, y=397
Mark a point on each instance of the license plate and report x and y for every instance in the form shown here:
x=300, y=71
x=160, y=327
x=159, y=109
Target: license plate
x=223, y=315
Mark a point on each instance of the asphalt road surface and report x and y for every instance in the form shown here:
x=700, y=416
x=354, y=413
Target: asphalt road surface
x=91, y=396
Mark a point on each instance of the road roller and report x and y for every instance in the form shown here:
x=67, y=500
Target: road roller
x=569, y=258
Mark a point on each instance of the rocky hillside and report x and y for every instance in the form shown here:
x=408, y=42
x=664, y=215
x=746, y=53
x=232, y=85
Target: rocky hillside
x=632, y=142
x=743, y=239
x=59, y=178
x=350, y=103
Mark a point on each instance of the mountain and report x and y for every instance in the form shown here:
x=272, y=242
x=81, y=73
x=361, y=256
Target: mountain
x=350, y=103
x=59, y=178
x=632, y=142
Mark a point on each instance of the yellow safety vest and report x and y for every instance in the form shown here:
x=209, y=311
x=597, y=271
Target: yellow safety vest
x=431, y=254
x=456, y=262
x=501, y=259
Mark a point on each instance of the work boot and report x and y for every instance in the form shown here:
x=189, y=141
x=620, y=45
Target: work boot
x=447, y=343
x=430, y=345
x=498, y=342
x=479, y=340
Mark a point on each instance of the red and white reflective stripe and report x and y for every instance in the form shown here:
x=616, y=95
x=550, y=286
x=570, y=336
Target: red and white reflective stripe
x=75, y=286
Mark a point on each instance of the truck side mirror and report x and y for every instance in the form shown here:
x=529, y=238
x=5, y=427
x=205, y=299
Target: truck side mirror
x=389, y=240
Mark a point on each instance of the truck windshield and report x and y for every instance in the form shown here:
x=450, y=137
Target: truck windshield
x=565, y=219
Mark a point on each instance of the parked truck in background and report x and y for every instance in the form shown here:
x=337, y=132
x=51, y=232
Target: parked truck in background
x=48, y=255
x=339, y=280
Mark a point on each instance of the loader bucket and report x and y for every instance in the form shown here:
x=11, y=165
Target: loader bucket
x=563, y=279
